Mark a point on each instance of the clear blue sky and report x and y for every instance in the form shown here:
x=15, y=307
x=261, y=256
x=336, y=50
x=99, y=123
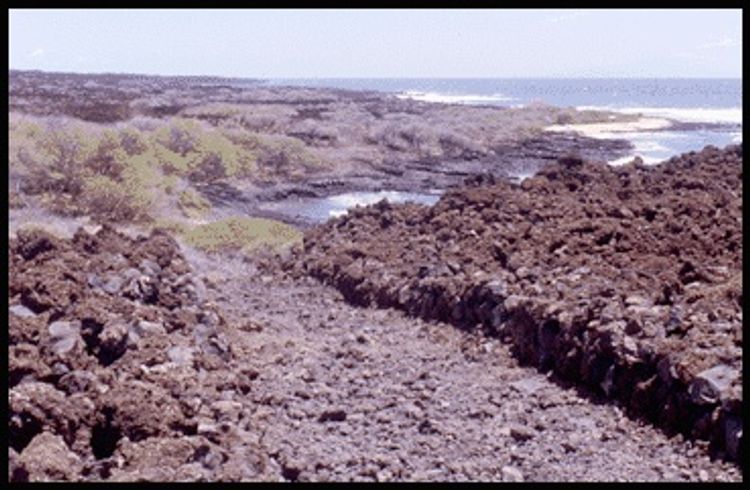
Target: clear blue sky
x=381, y=43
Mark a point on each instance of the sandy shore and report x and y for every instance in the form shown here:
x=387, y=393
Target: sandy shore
x=611, y=130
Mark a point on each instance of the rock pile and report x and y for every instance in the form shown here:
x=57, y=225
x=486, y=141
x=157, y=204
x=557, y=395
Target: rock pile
x=627, y=279
x=118, y=367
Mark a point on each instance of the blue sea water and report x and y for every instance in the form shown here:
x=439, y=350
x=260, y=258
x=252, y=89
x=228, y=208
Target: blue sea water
x=716, y=103
x=319, y=209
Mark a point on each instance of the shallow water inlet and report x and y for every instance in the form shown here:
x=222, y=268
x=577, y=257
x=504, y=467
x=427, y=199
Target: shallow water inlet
x=319, y=209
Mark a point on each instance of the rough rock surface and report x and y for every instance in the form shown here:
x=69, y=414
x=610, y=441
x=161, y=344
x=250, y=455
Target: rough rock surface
x=627, y=279
x=362, y=393
x=96, y=390
x=132, y=360
x=312, y=389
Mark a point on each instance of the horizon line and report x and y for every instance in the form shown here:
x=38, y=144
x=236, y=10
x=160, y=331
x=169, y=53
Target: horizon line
x=380, y=77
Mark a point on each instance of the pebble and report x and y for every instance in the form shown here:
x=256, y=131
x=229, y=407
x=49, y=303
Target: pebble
x=180, y=355
x=22, y=311
x=521, y=433
x=528, y=385
x=113, y=284
x=63, y=336
x=512, y=474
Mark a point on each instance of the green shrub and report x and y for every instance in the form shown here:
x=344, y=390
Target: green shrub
x=277, y=155
x=241, y=233
x=184, y=148
x=193, y=205
x=171, y=225
x=53, y=161
x=107, y=199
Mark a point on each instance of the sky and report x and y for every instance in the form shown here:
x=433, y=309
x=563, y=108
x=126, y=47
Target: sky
x=341, y=43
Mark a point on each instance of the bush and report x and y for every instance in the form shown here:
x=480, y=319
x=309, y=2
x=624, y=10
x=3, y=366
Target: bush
x=240, y=233
x=54, y=161
x=184, y=148
x=278, y=155
x=129, y=198
x=109, y=200
x=193, y=205
x=79, y=169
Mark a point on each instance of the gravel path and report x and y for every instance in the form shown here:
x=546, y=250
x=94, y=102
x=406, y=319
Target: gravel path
x=347, y=393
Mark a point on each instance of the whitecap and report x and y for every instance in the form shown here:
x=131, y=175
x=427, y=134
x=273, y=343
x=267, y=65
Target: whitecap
x=444, y=98
x=352, y=199
x=647, y=160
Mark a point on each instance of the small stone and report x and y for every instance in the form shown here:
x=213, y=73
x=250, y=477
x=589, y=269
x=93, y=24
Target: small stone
x=667, y=371
x=631, y=346
x=61, y=329
x=528, y=386
x=498, y=288
x=147, y=329
x=332, y=416
x=22, y=311
x=635, y=300
x=207, y=428
x=180, y=355
x=16, y=471
x=512, y=302
x=209, y=318
x=113, y=284
x=63, y=335
x=227, y=410
x=625, y=213
x=569, y=447
x=512, y=474
x=709, y=385
x=521, y=433
x=113, y=340
x=149, y=267
x=523, y=272
x=60, y=369
x=77, y=381
x=47, y=458
x=733, y=436
x=95, y=281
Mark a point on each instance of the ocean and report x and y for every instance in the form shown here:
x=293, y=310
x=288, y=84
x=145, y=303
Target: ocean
x=713, y=106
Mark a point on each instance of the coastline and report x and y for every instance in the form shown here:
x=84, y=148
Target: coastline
x=615, y=129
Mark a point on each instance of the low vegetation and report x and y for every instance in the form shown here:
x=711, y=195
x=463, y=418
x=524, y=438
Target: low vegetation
x=241, y=233
x=126, y=173
x=148, y=150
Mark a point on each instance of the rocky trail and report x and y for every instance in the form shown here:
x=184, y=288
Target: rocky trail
x=353, y=393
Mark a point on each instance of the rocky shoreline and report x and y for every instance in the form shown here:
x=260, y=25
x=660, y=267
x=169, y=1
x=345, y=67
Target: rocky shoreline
x=625, y=279
x=521, y=159
x=293, y=141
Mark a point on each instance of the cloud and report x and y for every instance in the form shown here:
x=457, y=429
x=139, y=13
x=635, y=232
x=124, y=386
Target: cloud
x=702, y=51
x=692, y=55
x=36, y=53
x=724, y=42
x=561, y=18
